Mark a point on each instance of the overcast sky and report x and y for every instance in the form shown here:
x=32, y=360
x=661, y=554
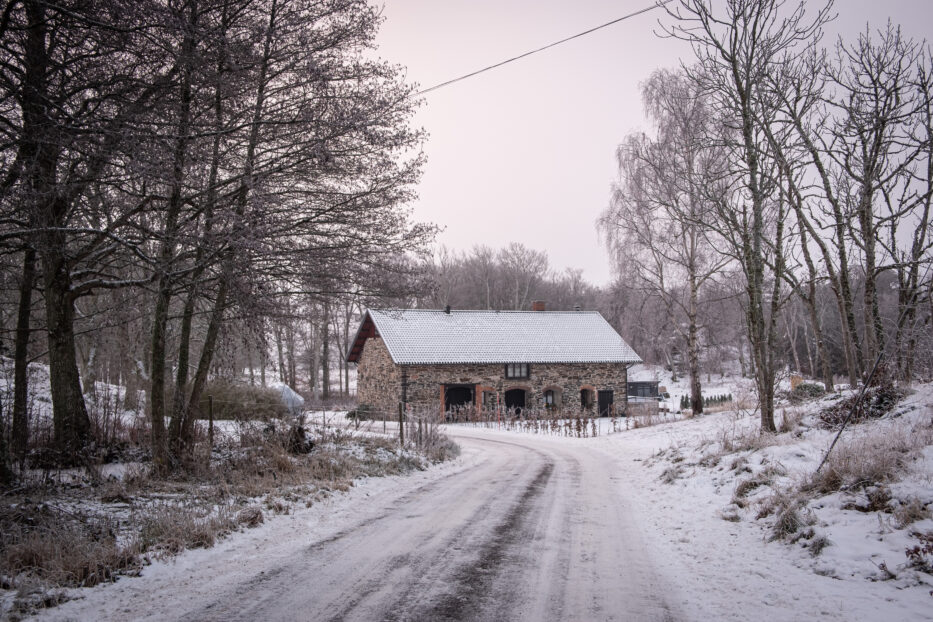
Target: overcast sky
x=525, y=152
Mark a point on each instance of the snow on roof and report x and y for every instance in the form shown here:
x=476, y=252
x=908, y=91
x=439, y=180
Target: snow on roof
x=432, y=336
x=292, y=400
x=643, y=373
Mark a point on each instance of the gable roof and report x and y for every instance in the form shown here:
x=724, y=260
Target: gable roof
x=433, y=336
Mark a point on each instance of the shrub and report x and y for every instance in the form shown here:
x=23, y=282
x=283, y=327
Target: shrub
x=921, y=555
x=363, y=412
x=805, y=391
x=910, y=512
x=169, y=529
x=241, y=402
x=746, y=486
x=250, y=516
x=877, y=402
x=60, y=548
x=790, y=420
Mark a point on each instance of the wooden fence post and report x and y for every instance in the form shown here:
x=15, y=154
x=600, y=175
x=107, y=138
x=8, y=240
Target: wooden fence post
x=401, y=425
x=210, y=420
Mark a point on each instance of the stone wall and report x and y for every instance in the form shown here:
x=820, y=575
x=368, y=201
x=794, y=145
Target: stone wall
x=425, y=382
x=378, y=379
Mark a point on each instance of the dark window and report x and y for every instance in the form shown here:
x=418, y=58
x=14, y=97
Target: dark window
x=643, y=389
x=515, y=399
x=517, y=370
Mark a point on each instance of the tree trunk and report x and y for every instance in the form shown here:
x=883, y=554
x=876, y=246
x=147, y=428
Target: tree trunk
x=742, y=356
x=290, y=352
x=325, y=353
x=179, y=412
x=825, y=365
x=283, y=371
x=6, y=473
x=693, y=350
x=20, y=431
x=314, y=360
x=207, y=355
x=71, y=423
x=792, y=341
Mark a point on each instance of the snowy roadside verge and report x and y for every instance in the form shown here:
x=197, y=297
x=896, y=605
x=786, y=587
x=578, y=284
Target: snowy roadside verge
x=725, y=559
x=83, y=527
x=196, y=576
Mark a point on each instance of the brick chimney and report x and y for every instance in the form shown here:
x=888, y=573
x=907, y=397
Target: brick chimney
x=537, y=305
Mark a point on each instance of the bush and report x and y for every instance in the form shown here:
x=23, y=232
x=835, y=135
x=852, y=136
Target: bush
x=241, y=402
x=877, y=402
x=921, y=555
x=60, y=548
x=363, y=412
x=805, y=391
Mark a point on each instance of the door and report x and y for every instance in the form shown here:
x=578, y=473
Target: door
x=605, y=403
x=458, y=397
x=515, y=398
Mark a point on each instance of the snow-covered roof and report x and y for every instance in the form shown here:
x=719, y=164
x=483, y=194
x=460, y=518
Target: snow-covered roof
x=292, y=400
x=643, y=373
x=429, y=336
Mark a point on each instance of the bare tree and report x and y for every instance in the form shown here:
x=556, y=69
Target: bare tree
x=523, y=269
x=657, y=220
x=736, y=49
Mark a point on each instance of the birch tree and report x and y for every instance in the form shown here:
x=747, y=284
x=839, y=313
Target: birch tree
x=660, y=208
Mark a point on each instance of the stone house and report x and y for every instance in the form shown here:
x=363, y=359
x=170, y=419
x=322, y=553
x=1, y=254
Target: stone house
x=490, y=359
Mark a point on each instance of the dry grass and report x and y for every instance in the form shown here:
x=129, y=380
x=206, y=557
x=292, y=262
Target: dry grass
x=70, y=536
x=168, y=529
x=56, y=547
x=672, y=473
x=871, y=458
x=790, y=420
x=909, y=512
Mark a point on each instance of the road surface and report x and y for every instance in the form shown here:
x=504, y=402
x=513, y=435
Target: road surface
x=528, y=528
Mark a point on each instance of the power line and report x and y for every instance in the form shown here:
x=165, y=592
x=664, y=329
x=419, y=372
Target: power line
x=541, y=49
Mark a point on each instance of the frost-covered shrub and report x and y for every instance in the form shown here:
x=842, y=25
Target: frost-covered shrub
x=805, y=391
x=921, y=555
x=877, y=402
x=241, y=402
x=870, y=459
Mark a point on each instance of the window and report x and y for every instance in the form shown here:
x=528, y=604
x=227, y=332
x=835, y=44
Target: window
x=516, y=370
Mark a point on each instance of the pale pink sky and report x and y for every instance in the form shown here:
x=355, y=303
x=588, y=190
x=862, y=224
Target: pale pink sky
x=525, y=152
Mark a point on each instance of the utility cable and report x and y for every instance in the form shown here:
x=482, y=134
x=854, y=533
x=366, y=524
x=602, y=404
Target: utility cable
x=655, y=5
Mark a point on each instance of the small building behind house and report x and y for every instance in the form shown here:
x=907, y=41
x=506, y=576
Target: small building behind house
x=643, y=394
x=469, y=359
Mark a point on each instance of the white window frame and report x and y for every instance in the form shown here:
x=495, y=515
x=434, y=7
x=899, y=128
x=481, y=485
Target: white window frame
x=515, y=371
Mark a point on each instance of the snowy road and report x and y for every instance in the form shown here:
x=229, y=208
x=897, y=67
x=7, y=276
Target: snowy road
x=519, y=527
x=523, y=528
x=531, y=532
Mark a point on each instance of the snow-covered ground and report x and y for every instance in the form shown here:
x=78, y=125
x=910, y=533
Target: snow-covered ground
x=687, y=518
x=723, y=557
